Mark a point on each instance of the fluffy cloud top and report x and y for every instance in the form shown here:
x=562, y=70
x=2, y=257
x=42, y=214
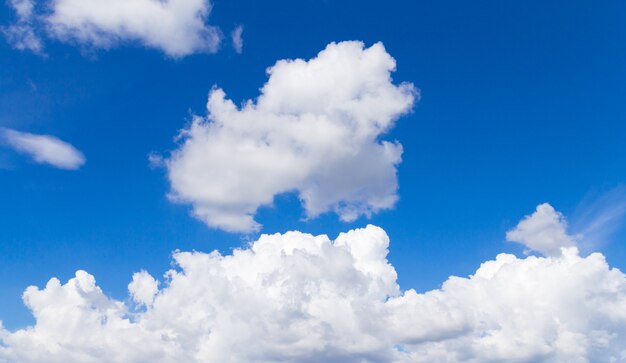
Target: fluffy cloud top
x=45, y=149
x=177, y=27
x=315, y=129
x=301, y=298
x=544, y=231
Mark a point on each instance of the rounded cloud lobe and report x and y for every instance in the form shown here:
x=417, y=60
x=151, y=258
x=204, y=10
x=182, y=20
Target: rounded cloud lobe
x=315, y=130
x=544, y=231
x=295, y=297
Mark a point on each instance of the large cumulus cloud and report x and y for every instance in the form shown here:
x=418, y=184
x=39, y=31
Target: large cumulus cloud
x=295, y=297
x=315, y=129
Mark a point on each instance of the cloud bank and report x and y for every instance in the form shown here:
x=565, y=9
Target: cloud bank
x=315, y=129
x=176, y=27
x=44, y=149
x=295, y=297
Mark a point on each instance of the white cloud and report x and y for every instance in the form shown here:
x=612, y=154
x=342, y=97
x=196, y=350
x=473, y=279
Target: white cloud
x=544, y=231
x=143, y=288
x=236, y=38
x=21, y=35
x=45, y=149
x=315, y=129
x=177, y=27
x=299, y=298
x=23, y=8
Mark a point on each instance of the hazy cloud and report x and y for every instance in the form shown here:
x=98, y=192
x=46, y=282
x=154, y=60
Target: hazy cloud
x=599, y=216
x=236, y=38
x=21, y=35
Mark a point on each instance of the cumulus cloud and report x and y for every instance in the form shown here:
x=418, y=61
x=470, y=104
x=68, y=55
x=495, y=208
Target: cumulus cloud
x=44, y=149
x=177, y=27
x=295, y=297
x=236, y=38
x=544, y=231
x=143, y=288
x=315, y=129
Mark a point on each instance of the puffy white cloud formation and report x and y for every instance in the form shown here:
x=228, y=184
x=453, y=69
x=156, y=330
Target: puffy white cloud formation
x=315, y=130
x=45, y=149
x=544, y=231
x=143, y=288
x=299, y=298
x=177, y=27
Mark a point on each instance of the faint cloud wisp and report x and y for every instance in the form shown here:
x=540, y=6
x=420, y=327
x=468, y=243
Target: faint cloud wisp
x=44, y=149
x=599, y=216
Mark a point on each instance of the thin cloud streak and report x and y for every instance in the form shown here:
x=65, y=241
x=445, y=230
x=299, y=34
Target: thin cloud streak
x=44, y=149
x=599, y=216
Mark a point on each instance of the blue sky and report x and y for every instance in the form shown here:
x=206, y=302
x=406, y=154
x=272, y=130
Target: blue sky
x=521, y=103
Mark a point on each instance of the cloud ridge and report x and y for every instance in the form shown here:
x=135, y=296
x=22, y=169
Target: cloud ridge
x=295, y=297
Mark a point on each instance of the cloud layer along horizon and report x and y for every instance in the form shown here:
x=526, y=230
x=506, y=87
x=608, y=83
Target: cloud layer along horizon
x=295, y=297
x=176, y=27
x=315, y=130
x=44, y=149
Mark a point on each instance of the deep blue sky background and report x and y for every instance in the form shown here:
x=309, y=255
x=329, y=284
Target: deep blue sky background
x=523, y=102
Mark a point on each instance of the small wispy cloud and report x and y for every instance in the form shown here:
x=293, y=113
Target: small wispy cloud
x=236, y=37
x=599, y=216
x=44, y=149
x=21, y=35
